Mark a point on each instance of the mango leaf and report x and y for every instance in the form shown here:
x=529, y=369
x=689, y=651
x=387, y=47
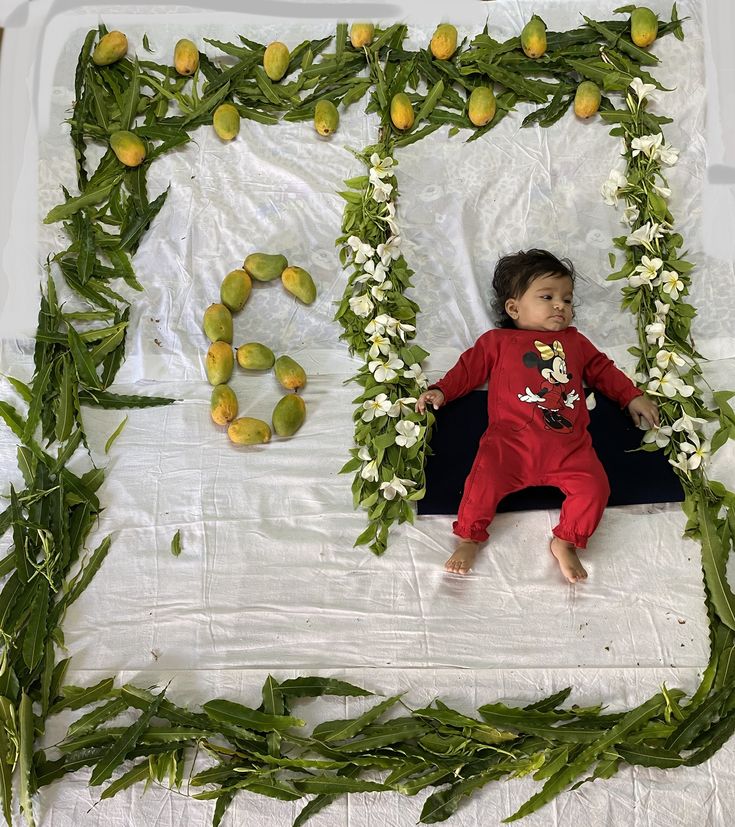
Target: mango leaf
x=313, y=687
x=331, y=731
x=114, y=435
x=34, y=639
x=336, y=785
x=75, y=697
x=139, y=772
x=176, y=543
x=713, y=563
x=234, y=713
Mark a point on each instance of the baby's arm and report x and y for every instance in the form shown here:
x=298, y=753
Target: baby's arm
x=644, y=407
x=433, y=396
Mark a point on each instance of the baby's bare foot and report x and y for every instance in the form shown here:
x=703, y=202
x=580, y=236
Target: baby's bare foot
x=566, y=556
x=463, y=558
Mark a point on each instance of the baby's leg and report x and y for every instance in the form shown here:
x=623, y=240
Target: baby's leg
x=464, y=556
x=566, y=556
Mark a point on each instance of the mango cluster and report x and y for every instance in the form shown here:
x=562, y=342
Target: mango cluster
x=290, y=411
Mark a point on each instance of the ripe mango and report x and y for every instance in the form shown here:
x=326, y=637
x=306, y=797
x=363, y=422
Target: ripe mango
x=186, y=57
x=111, y=48
x=444, y=41
x=299, y=283
x=226, y=121
x=218, y=323
x=290, y=373
x=219, y=363
x=643, y=26
x=265, y=266
x=235, y=290
x=401, y=111
x=249, y=431
x=223, y=404
x=326, y=117
x=587, y=99
x=128, y=147
x=533, y=37
x=275, y=60
x=481, y=105
x=288, y=415
x=254, y=356
x=362, y=34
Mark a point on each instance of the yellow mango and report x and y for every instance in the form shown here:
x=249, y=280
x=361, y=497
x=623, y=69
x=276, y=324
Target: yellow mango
x=226, y=121
x=275, y=60
x=110, y=49
x=218, y=323
x=587, y=99
x=186, y=57
x=235, y=290
x=533, y=37
x=299, y=283
x=401, y=111
x=288, y=415
x=362, y=34
x=265, y=266
x=643, y=27
x=219, y=363
x=481, y=105
x=444, y=41
x=249, y=431
x=326, y=117
x=290, y=373
x=128, y=147
x=223, y=404
x=254, y=356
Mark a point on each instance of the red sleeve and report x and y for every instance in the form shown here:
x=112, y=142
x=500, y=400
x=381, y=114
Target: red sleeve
x=472, y=369
x=600, y=372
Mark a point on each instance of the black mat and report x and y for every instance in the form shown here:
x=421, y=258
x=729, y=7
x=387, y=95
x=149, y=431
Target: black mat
x=635, y=476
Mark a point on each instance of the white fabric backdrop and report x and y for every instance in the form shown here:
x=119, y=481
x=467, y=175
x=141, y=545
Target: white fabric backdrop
x=268, y=580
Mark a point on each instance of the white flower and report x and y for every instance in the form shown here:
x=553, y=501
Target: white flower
x=375, y=271
x=667, y=155
x=647, y=144
x=671, y=283
x=630, y=215
x=660, y=435
x=668, y=384
x=698, y=451
x=375, y=326
x=688, y=423
x=664, y=192
x=391, y=250
x=379, y=290
x=381, y=166
x=655, y=333
x=404, y=405
x=642, y=90
x=396, y=486
x=408, y=433
x=376, y=407
x=379, y=344
x=370, y=469
x=662, y=308
x=363, y=251
x=681, y=462
x=665, y=359
x=414, y=372
x=640, y=236
x=646, y=270
x=385, y=371
x=609, y=189
x=390, y=217
x=381, y=189
x=361, y=305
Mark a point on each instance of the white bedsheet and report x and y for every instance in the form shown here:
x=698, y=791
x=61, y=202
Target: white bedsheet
x=268, y=581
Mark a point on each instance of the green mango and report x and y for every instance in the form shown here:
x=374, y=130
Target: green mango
x=110, y=49
x=219, y=363
x=275, y=60
x=235, y=290
x=128, y=147
x=643, y=26
x=265, y=266
x=326, y=117
x=481, y=105
x=533, y=37
x=226, y=121
x=254, y=356
x=289, y=414
x=289, y=373
x=361, y=34
x=444, y=41
x=587, y=99
x=299, y=283
x=218, y=323
x=249, y=431
x=223, y=404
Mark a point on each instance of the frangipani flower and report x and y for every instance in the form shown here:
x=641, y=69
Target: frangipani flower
x=698, y=451
x=664, y=192
x=369, y=471
x=361, y=305
x=662, y=308
x=375, y=271
x=391, y=250
x=379, y=290
x=363, y=251
x=688, y=423
x=671, y=283
x=667, y=384
x=661, y=435
x=630, y=215
x=615, y=182
x=381, y=166
x=396, y=486
x=640, y=236
x=380, y=344
x=647, y=144
x=408, y=433
x=376, y=407
x=655, y=333
x=414, y=372
x=646, y=272
x=404, y=405
x=385, y=371
x=667, y=155
x=381, y=189
x=681, y=462
x=390, y=217
x=641, y=89
x=668, y=358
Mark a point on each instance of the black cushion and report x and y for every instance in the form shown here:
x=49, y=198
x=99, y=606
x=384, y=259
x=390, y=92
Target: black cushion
x=635, y=476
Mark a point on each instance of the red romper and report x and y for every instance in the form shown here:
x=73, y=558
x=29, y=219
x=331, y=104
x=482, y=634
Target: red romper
x=537, y=432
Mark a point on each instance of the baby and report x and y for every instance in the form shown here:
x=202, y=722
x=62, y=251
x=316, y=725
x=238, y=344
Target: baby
x=535, y=364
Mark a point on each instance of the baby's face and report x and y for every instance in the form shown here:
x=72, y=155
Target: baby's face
x=546, y=305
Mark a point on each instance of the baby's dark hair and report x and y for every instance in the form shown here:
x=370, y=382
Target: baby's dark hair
x=514, y=274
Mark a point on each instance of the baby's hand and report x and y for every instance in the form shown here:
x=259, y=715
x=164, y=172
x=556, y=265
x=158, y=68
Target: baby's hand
x=434, y=397
x=644, y=407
